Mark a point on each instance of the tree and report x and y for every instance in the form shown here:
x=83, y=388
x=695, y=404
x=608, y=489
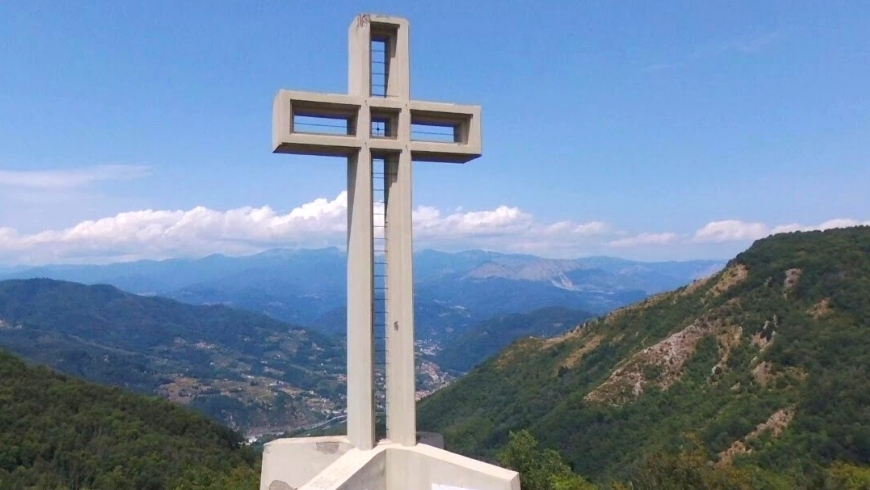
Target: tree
x=849, y=477
x=539, y=469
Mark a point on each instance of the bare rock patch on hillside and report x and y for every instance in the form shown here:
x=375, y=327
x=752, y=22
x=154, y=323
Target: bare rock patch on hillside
x=660, y=365
x=728, y=339
x=792, y=277
x=762, y=373
x=764, y=338
x=776, y=423
x=821, y=308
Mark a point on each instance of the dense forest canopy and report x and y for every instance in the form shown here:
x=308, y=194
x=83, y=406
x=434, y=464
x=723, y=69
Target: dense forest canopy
x=59, y=432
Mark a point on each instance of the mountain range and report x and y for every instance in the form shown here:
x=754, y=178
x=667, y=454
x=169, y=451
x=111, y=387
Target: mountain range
x=761, y=371
x=465, y=351
x=755, y=377
x=454, y=291
x=245, y=369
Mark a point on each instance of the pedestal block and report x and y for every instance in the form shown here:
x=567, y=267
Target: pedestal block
x=290, y=463
x=329, y=463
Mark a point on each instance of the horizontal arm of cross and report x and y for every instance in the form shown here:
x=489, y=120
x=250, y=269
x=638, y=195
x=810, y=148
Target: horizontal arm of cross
x=287, y=137
x=342, y=127
x=464, y=120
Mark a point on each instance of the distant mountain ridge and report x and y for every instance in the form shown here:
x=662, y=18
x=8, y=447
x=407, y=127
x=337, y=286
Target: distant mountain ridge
x=465, y=351
x=765, y=367
x=234, y=365
x=453, y=290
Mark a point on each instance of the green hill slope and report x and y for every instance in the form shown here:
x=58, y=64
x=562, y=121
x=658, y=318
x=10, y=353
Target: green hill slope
x=766, y=364
x=58, y=432
x=234, y=365
x=487, y=338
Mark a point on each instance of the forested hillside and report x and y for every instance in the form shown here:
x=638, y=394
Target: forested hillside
x=233, y=365
x=58, y=432
x=762, y=369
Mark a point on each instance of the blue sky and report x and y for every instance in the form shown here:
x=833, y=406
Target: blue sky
x=663, y=130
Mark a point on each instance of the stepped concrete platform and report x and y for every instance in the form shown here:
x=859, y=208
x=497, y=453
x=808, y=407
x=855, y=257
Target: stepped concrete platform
x=332, y=463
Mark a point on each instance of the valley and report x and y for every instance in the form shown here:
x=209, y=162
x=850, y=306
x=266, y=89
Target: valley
x=212, y=333
x=253, y=373
x=744, y=366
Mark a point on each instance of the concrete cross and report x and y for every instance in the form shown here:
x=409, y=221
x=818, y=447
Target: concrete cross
x=377, y=119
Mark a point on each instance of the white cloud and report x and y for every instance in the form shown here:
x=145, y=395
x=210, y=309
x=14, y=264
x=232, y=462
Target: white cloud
x=840, y=223
x=72, y=178
x=646, y=239
x=736, y=230
x=731, y=230
x=322, y=222
x=429, y=222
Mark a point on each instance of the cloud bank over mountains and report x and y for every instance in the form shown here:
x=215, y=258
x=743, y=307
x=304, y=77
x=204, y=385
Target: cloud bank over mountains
x=200, y=231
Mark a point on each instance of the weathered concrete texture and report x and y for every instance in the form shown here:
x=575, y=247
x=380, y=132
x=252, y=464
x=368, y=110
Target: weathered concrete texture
x=360, y=303
x=421, y=467
x=290, y=463
x=392, y=466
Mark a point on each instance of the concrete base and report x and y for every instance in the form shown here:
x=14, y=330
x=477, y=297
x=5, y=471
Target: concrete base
x=290, y=463
x=330, y=463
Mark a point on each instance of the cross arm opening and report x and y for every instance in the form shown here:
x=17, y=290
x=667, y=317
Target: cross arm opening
x=310, y=123
x=445, y=132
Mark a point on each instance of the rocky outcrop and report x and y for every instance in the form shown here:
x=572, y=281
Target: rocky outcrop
x=660, y=364
x=792, y=277
x=776, y=423
x=822, y=308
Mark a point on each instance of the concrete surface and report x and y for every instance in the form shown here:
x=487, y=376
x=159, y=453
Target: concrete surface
x=393, y=466
x=294, y=462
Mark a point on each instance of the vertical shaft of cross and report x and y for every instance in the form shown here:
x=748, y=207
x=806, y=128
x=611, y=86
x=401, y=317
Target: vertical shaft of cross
x=360, y=302
x=400, y=366
x=401, y=373
x=360, y=263
x=385, y=75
